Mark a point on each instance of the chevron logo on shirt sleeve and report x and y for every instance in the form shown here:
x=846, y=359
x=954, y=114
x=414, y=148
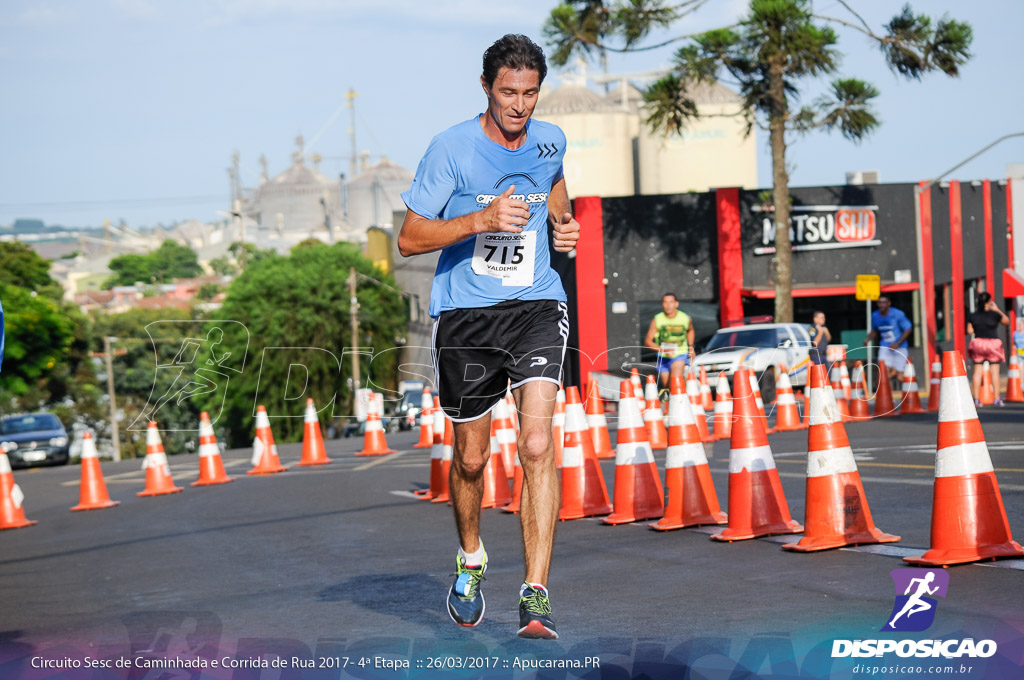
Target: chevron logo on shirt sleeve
x=546, y=150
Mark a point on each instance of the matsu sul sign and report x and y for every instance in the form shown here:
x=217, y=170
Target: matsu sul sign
x=822, y=227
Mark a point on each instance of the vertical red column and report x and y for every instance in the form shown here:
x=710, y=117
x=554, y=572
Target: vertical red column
x=990, y=277
x=956, y=254
x=928, y=261
x=591, y=321
x=1010, y=259
x=730, y=255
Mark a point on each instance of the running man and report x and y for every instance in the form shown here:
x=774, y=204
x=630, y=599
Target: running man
x=893, y=328
x=915, y=604
x=671, y=335
x=485, y=194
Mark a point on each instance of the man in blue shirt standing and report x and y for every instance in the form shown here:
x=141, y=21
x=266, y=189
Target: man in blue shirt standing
x=485, y=194
x=892, y=327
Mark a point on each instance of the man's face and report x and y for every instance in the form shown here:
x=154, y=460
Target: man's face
x=819, y=319
x=883, y=305
x=669, y=304
x=512, y=98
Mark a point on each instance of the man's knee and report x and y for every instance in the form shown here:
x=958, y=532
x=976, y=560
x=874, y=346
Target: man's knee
x=535, y=446
x=470, y=457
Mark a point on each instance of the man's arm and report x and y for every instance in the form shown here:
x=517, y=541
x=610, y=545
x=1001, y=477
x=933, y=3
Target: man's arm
x=566, y=228
x=422, y=235
x=691, y=334
x=906, y=333
x=649, y=340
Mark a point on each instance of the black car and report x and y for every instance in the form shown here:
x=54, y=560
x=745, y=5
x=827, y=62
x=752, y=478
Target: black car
x=34, y=438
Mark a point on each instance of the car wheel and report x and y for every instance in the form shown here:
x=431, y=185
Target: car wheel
x=766, y=382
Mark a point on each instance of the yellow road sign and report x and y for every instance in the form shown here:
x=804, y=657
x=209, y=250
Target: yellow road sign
x=869, y=287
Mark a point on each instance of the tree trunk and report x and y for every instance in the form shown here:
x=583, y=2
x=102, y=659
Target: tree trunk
x=780, y=193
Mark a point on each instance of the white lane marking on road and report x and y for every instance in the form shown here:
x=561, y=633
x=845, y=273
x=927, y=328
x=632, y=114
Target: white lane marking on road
x=405, y=494
x=380, y=459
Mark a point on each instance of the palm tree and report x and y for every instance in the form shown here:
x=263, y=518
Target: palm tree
x=777, y=46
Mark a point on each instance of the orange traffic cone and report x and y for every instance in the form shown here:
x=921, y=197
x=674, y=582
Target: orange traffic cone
x=446, y=461
x=859, y=407
x=597, y=423
x=496, y=491
x=211, y=467
x=92, y=492
x=1014, y=392
x=690, y=499
x=988, y=394
x=836, y=380
x=265, y=460
x=697, y=406
x=374, y=442
x=757, y=504
x=638, y=492
x=558, y=426
x=755, y=389
x=517, y=485
x=313, y=452
x=436, y=453
x=705, y=391
x=723, y=408
x=638, y=388
x=12, y=514
x=507, y=439
x=836, y=511
x=513, y=412
x=654, y=417
x=807, y=405
x=844, y=382
x=584, y=493
x=911, y=400
x=787, y=414
x=426, y=421
x=158, y=474
x=935, y=381
x=968, y=518
x=884, y=408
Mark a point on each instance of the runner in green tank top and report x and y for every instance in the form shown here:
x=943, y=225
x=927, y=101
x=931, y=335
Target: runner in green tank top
x=671, y=335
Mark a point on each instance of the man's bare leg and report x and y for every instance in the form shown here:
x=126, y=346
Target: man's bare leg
x=471, y=449
x=540, y=498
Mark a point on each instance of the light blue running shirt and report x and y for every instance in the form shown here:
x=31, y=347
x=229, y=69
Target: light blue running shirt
x=461, y=173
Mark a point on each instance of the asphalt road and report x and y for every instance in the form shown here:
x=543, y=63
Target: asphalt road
x=341, y=559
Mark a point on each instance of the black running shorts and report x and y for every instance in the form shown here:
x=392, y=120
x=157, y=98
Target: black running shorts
x=477, y=351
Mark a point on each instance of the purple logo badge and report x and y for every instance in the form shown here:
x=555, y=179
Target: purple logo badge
x=914, y=609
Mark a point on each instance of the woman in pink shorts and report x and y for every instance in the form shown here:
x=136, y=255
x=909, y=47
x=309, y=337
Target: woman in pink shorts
x=986, y=345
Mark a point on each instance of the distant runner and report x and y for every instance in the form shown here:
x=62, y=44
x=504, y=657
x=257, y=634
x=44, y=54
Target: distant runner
x=671, y=335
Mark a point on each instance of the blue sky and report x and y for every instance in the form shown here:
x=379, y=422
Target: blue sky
x=131, y=108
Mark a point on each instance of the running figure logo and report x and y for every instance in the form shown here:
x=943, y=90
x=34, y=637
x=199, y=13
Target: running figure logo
x=914, y=610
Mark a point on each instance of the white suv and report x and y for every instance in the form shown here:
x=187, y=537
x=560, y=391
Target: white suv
x=759, y=347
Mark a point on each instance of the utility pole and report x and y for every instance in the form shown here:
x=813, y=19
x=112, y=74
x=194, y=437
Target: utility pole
x=353, y=315
x=115, y=434
x=351, y=96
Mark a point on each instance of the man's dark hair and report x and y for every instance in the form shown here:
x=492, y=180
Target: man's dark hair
x=672, y=295
x=816, y=313
x=983, y=298
x=514, y=51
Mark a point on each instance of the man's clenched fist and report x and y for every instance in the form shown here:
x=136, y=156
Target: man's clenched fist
x=567, y=233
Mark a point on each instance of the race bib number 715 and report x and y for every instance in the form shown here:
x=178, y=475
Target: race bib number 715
x=509, y=257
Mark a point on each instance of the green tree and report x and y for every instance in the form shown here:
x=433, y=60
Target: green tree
x=38, y=337
x=22, y=266
x=144, y=338
x=302, y=302
x=222, y=265
x=772, y=52
x=168, y=262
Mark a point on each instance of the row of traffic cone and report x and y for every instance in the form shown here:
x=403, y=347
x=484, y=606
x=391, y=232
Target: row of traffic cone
x=93, y=494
